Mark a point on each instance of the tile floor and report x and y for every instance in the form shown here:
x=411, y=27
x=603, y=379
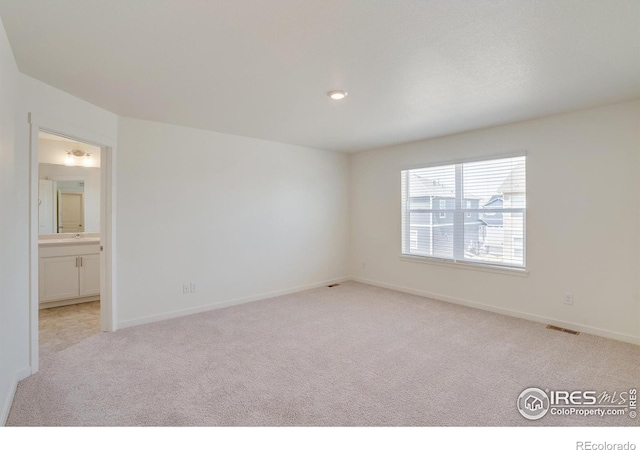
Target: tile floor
x=64, y=326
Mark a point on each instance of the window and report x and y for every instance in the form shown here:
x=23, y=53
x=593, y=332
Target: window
x=518, y=247
x=413, y=239
x=443, y=205
x=484, y=217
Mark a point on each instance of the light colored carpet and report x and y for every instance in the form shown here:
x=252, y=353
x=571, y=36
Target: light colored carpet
x=348, y=355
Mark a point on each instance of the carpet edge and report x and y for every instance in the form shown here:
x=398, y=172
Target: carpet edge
x=629, y=339
x=238, y=301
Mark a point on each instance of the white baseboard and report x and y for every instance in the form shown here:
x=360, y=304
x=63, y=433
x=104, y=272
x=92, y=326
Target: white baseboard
x=507, y=312
x=6, y=407
x=472, y=304
x=225, y=304
x=24, y=373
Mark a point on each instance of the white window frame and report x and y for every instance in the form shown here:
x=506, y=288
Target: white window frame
x=459, y=218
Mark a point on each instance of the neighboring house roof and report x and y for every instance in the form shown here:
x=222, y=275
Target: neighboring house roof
x=491, y=217
x=495, y=201
x=515, y=182
x=433, y=188
x=430, y=187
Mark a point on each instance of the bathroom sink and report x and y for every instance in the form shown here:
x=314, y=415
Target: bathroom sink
x=69, y=241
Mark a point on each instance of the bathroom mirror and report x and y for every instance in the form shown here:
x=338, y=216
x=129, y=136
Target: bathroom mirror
x=69, y=185
x=68, y=199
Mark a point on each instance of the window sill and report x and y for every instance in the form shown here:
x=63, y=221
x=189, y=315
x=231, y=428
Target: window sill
x=469, y=266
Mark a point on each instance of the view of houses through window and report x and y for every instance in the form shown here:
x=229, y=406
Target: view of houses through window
x=471, y=211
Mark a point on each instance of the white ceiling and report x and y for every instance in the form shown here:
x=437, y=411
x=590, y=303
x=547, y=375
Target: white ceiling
x=413, y=69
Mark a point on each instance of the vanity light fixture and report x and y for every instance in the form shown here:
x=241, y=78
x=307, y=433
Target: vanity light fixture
x=70, y=159
x=337, y=95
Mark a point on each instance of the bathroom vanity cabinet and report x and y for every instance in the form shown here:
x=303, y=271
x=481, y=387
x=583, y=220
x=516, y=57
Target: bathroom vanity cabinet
x=69, y=271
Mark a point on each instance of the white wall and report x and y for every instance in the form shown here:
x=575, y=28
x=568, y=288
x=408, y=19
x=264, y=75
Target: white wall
x=91, y=178
x=13, y=226
x=240, y=217
x=19, y=96
x=61, y=112
x=583, y=220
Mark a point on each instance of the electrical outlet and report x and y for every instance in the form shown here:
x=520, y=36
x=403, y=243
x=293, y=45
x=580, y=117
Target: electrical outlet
x=568, y=298
x=364, y=265
x=194, y=287
x=186, y=289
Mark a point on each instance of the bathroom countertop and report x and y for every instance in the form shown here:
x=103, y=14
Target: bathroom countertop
x=68, y=241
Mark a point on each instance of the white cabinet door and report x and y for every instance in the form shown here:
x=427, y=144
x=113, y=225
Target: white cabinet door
x=89, y=275
x=58, y=278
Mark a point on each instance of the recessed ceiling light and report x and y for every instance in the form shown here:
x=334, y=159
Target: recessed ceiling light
x=337, y=95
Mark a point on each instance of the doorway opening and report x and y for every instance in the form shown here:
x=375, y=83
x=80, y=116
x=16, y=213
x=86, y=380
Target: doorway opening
x=71, y=239
x=68, y=242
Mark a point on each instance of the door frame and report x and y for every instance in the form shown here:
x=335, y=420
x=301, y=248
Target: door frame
x=108, y=301
x=54, y=219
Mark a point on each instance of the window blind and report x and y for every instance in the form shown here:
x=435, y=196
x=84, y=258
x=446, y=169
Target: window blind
x=473, y=212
